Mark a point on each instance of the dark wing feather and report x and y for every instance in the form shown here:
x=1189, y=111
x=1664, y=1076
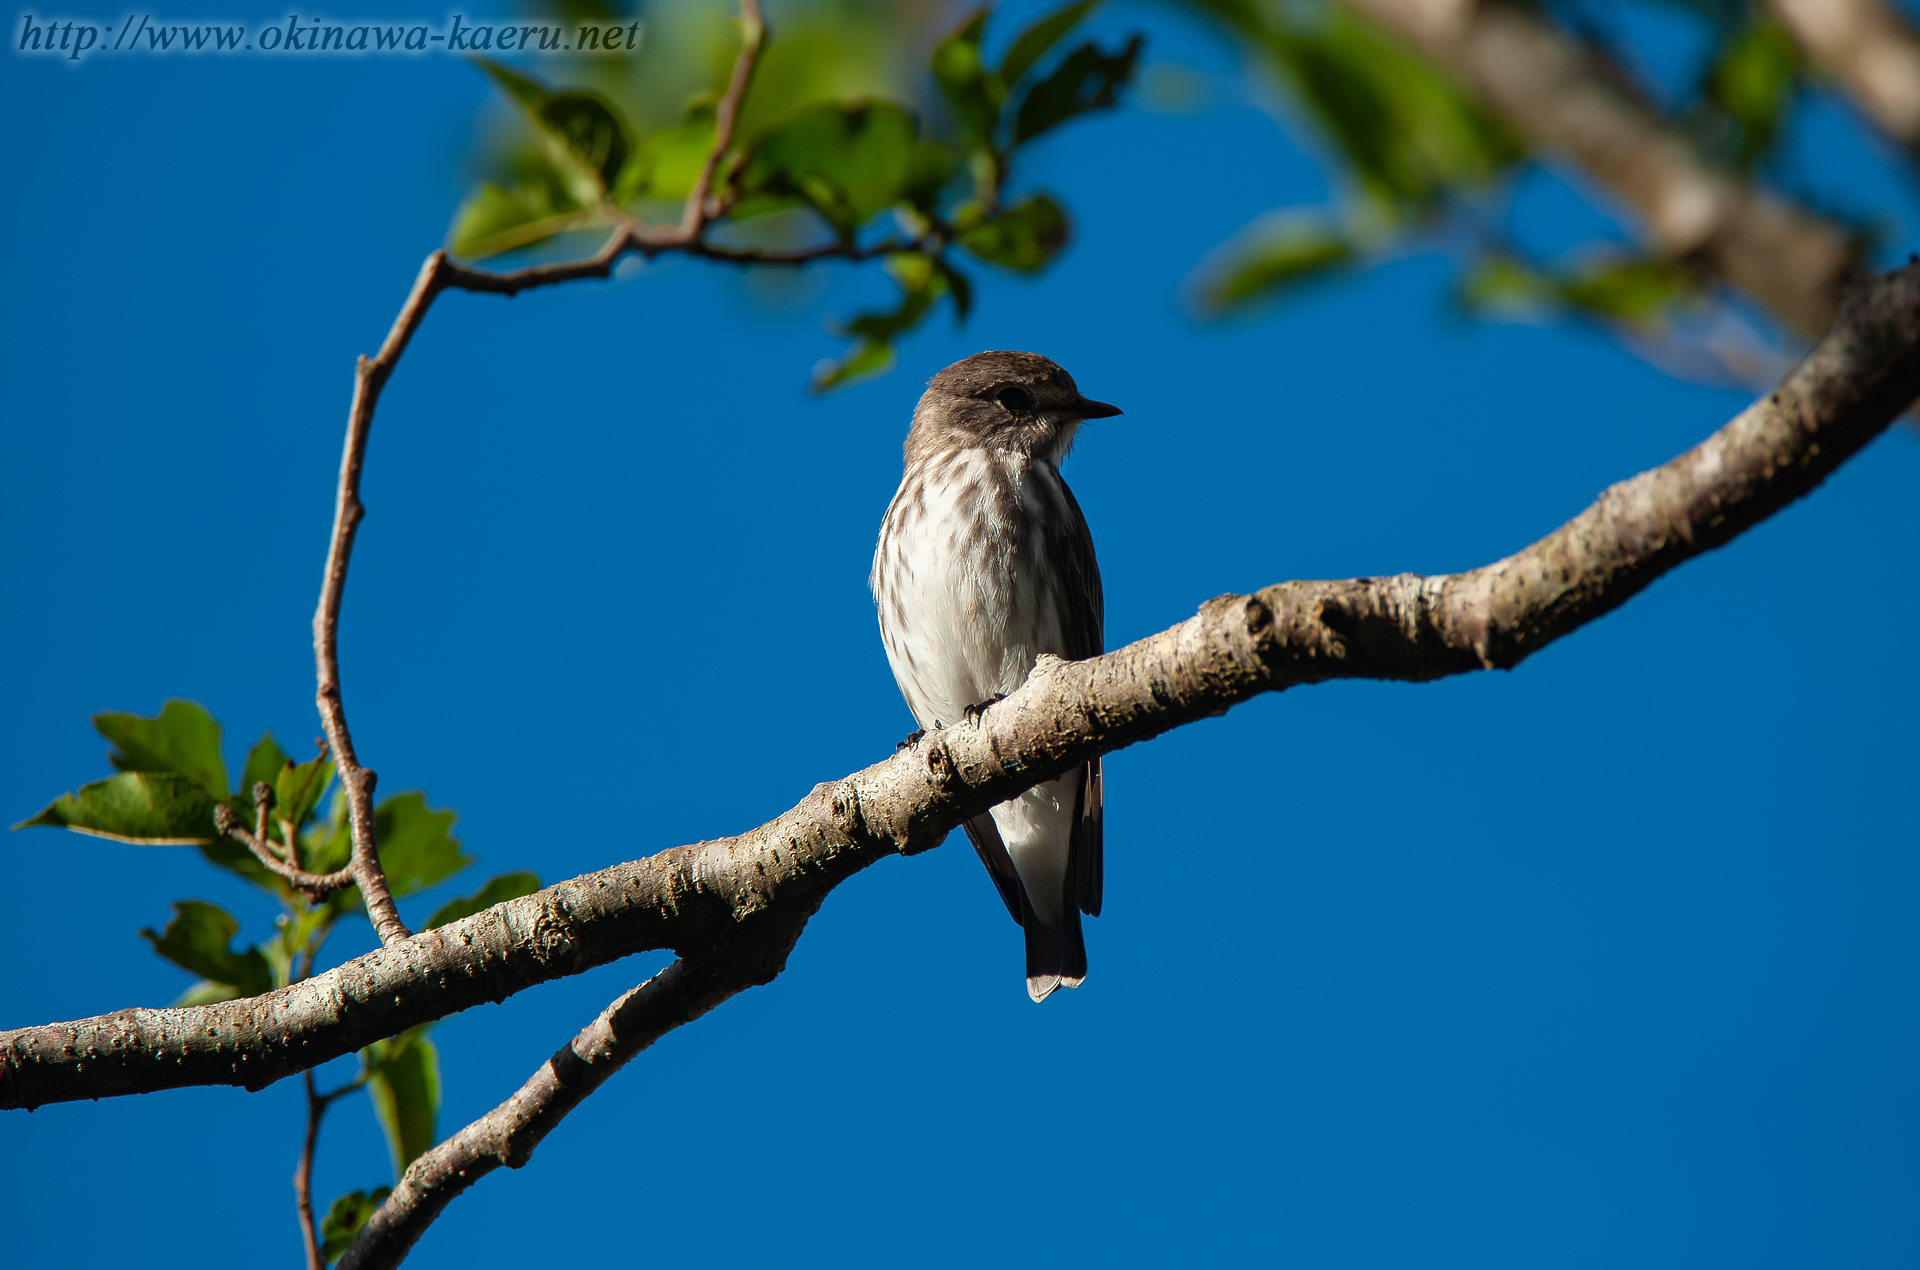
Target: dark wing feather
x=1084, y=608
x=985, y=837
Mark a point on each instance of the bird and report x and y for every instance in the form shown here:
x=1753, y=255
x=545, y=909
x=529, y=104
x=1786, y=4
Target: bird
x=984, y=563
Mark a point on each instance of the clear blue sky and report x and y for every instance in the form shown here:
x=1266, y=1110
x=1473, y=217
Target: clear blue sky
x=1610, y=961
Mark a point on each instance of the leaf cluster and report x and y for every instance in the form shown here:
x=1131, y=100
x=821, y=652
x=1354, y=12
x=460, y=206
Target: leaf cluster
x=170, y=779
x=857, y=178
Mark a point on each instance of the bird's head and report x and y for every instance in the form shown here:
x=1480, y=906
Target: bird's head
x=1002, y=401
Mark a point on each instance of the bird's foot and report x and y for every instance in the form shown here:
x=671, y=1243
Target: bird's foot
x=972, y=713
x=912, y=739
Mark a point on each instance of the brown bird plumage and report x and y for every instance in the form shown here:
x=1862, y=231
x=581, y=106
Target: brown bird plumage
x=984, y=562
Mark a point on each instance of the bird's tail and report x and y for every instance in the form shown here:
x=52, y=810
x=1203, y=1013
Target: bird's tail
x=1056, y=955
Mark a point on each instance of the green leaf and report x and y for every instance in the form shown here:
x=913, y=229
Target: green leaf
x=207, y=992
x=580, y=132
x=592, y=130
x=1410, y=132
x=296, y=787
x=345, y=1216
x=923, y=279
x=1753, y=83
x=1023, y=237
x=265, y=761
x=1631, y=291
x=153, y=808
x=1085, y=80
x=416, y=849
x=1271, y=258
x=971, y=90
x=197, y=940
x=1032, y=44
x=669, y=162
x=182, y=738
x=500, y=218
x=403, y=1081
x=498, y=890
x=847, y=161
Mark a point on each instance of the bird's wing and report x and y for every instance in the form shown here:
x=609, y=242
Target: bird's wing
x=1087, y=849
x=985, y=837
x=1083, y=616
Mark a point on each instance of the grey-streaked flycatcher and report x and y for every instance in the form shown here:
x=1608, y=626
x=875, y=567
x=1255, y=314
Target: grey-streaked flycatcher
x=984, y=563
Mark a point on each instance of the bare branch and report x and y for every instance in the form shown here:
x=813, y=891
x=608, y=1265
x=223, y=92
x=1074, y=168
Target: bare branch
x=303, y=1175
x=370, y=377
x=316, y=885
x=1870, y=49
x=507, y=1135
x=1561, y=99
x=739, y=903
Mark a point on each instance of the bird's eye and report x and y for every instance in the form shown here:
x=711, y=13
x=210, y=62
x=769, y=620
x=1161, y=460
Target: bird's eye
x=1016, y=400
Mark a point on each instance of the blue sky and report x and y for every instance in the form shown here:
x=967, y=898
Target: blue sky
x=1609, y=960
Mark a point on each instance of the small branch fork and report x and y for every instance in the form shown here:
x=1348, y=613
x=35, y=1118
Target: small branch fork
x=283, y=862
x=370, y=378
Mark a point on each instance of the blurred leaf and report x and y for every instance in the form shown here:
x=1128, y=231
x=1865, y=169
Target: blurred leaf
x=499, y=889
x=580, y=133
x=154, y=808
x=923, y=280
x=1632, y=291
x=971, y=90
x=403, y=1082
x=345, y=1216
x=265, y=761
x=182, y=738
x=846, y=160
x=1032, y=44
x=197, y=940
x=1753, y=82
x=225, y=853
x=1410, y=132
x=496, y=218
x=1085, y=80
x=592, y=130
x=1502, y=285
x=206, y=992
x=1285, y=251
x=1023, y=237
x=669, y=162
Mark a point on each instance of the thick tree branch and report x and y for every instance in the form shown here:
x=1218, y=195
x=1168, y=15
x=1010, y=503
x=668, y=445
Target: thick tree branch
x=1561, y=99
x=1871, y=50
x=739, y=902
x=507, y=1135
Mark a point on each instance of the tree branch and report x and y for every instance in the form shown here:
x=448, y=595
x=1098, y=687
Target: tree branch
x=507, y=1135
x=303, y=1176
x=738, y=903
x=1562, y=100
x=1871, y=50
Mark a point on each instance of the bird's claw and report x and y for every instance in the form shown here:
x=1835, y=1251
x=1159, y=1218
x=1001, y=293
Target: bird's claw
x=972, y=713
x=912, y=739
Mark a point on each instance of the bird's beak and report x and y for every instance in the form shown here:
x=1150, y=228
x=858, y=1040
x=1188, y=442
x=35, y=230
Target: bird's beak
x=1086, y=408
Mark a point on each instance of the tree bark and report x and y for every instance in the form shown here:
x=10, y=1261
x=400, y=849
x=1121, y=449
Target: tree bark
x=735, y=906
x=1870, y=50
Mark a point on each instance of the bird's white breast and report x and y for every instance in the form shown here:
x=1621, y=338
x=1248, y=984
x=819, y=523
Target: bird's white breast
x=957, y=583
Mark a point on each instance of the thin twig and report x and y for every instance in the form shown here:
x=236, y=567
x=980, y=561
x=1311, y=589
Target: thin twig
x=303, y=1175
x=317, y=886
x=753, y=30
x=370, y=377
x=507, y=1135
